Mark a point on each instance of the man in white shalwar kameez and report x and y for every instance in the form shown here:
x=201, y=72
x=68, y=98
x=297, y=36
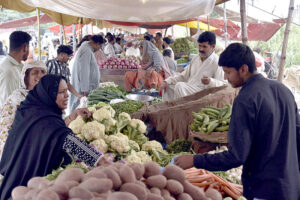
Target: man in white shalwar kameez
x=85, y=73
x=203, y=72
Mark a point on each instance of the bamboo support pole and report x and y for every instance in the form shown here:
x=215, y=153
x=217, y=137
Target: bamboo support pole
x=244, y=22
x=285, y=41
x=39, y=34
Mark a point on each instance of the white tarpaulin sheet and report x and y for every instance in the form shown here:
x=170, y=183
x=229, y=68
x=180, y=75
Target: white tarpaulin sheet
x=128, y=10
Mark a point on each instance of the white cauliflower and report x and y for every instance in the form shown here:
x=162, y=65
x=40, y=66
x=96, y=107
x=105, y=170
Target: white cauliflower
x=139, y=125
x=152, y=145
x=144, y=156
x=123, y=120
x=93, y=130
x=118, y=143
x=100, y=145
x=80, y=136
x=92, y=109
x=133, y=158
x=124, y=137
x=109, y=124
x=110, y=109
x=133, y=144
x=124, y=116
x=102, y=114
x=76, y=125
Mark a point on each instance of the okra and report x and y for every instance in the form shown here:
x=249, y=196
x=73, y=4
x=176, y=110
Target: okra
x=212, y=125
x=222, y=128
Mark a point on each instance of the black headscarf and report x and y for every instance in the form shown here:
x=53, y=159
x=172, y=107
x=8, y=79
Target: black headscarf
x=34, y=143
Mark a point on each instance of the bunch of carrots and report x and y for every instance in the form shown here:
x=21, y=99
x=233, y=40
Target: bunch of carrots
x=205, y=179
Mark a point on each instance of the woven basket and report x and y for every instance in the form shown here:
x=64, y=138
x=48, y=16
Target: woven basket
x=214, y=137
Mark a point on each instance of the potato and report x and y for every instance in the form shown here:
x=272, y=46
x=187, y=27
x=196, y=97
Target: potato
x=139, y=191
x=19, y=192
x=99, y=185
x=151, y=196
x=121, y=196
x=184, y=196
x=47, y=194
x=127, y=174
x=37, y=182
x=70, y=174
x=169, y=198
x=155, y=190
x=32, y=194
x=213, y=194
x=165, y=192
x=195, y=192
x=74, y=199
x=61, y=190
x=174, y=187
x=138, y=169
x=78, y=192
x=151, y=169
x=140, y=183
x=174, y=172
x=114, y=176
x=156, y=181
x=70, y=184
x=98, y=198
x=117, y=165
x=94, y=174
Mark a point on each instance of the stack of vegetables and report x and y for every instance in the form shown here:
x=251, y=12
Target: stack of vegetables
x=183, y=60
x=105, y=94
x=120, y=63
x=211, y=119
x=127, y=106
x=122, y=136
x=116, y=181
x=183, y=46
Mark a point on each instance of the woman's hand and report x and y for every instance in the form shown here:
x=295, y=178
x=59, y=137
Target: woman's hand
x=83, y=112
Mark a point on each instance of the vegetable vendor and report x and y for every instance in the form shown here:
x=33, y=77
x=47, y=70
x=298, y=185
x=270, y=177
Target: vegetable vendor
x=154, y=69
x=264, y=132
x=39, y=139
x=31, y=74
x=85, y=73
x=204, y=66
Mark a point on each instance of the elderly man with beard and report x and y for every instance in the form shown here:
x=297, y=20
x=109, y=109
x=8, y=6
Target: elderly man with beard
x=11, y=67
x=203, y=72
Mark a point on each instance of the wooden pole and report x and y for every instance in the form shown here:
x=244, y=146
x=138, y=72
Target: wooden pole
x=198, y=25
x=64, y=35
x=74, y=37
x=187, y=29
x=225, y=26
x=244, y=22
x=285, y=41
x=207, y=18
x=39, y=34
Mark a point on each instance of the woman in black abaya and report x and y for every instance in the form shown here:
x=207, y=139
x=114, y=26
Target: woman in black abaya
x=39, y=139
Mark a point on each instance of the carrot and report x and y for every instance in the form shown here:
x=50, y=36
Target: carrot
x=230, y=193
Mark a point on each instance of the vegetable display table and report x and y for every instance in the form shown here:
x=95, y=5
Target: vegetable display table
x=114, y=75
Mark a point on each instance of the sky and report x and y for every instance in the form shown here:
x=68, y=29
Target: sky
x=278, y=7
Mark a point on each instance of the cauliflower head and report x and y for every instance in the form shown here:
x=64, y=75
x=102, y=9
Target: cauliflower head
x=123, y=116
x=92, y=109
x=100, y=145
x=109, y=124
x=134, y=145
x=102, y=114
x=76, y=125
x=139, y=125
x=118, y=143
x=121, y=135
x=93, y=130
x=152, y=145
x=133, y=158
x=110, y=109
x=144, y=156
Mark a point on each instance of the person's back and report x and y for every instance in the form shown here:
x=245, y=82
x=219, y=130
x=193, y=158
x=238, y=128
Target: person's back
x=272, y=163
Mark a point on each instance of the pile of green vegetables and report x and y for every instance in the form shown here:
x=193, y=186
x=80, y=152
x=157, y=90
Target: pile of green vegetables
x=182, y=60
x=184, y=46
x=179, y=145
x=127, y=106
x=211, y=119
x=105, y=95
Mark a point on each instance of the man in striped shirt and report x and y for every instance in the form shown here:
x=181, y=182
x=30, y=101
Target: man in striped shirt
x=59, y=66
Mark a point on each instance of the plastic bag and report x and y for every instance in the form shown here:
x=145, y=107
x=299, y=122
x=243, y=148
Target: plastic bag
x=83, y=102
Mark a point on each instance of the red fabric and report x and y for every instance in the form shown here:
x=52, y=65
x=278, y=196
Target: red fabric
x=151, y=23
x=262, y=32
x=68, y=29
x=44, y=19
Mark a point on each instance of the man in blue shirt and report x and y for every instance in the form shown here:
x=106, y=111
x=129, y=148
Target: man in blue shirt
x=264, y=132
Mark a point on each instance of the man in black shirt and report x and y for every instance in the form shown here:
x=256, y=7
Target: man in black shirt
x=59, y=66
x=264, y=132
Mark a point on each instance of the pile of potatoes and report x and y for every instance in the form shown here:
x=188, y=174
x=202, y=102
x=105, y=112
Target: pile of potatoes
x=117, y=181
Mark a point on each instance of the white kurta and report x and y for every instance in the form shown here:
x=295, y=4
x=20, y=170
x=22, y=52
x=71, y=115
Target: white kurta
x=85, y=73
x=131, y=51
x=10, y=77
x=189, y=81
x=109, y=50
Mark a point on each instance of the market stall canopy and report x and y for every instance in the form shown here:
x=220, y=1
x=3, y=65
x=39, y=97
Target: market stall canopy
x=68, y=29
x=128, y=11
x=202, y=26
x=29, y=21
